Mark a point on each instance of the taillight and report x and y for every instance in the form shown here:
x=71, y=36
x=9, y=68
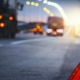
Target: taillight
x=11, y=18
x=38, y=27
x=34, y=29
x=0, y=16
x=40, y=30
x=2, y=24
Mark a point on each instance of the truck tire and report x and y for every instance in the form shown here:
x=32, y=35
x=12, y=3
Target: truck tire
x=12, y=35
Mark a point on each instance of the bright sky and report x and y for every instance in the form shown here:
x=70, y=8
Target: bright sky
x=32, y=13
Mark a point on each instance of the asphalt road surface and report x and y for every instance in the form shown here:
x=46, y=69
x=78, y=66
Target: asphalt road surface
x=36, y=57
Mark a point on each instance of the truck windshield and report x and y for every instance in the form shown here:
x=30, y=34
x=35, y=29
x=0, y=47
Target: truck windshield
x=1, y=5
x=11, y=3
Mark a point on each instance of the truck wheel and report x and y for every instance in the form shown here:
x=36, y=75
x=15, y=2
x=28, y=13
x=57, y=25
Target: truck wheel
x=12, y=35
x=7, y=36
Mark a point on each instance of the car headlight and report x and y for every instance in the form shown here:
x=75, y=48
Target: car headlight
x=60, y=30
x=49, y=30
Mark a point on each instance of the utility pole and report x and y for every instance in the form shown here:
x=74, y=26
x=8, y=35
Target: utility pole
x=15, y=6
x=15, y=9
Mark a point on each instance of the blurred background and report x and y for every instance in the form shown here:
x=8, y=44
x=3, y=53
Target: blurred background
x=67, y=9
x=31, y=12
x=39, y=39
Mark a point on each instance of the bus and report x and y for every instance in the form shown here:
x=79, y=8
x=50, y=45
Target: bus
x=55, y=26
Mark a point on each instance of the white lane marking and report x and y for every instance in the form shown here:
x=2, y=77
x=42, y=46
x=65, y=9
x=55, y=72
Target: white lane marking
x=38, y=39
x=29, y=40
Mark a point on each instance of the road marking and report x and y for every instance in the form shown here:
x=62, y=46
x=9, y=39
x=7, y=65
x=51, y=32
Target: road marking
x=29, y=40
x=39, y=39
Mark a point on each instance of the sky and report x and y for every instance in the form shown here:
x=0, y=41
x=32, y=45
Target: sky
x=33, y=14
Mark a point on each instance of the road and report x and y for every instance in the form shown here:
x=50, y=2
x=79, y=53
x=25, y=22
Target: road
x=30, y=57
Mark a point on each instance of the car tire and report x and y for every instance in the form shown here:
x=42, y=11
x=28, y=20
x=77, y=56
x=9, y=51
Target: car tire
x=35, y=32
x=41, y=33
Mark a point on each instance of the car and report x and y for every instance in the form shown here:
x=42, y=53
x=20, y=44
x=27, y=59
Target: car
x=38, y=29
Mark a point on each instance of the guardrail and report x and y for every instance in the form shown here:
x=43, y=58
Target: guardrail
x=27, y=26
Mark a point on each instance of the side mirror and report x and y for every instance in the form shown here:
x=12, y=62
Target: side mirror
x=19, y=6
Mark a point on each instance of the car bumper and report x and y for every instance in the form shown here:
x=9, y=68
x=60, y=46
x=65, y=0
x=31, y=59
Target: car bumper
x=55, y=34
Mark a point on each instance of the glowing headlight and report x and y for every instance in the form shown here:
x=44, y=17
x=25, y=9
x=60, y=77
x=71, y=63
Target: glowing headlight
x=60, y=30
x=49, y=30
